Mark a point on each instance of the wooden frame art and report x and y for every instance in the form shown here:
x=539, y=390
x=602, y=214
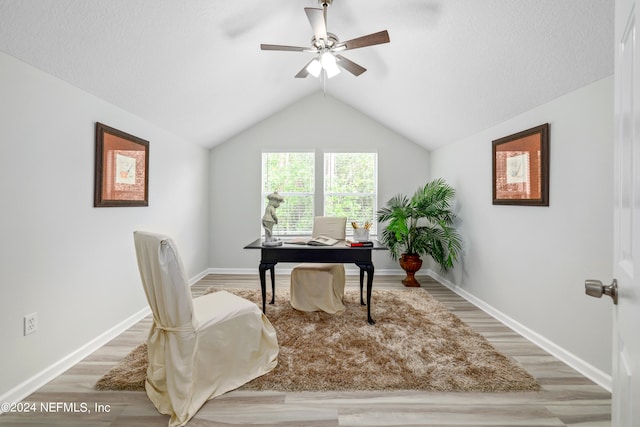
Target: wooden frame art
x=521, y=168
x=121, y=169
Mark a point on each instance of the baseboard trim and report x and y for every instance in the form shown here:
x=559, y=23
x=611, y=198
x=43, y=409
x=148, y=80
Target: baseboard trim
x=594, y=374
x=34, y=383
x=29, y=386
x=198, y=277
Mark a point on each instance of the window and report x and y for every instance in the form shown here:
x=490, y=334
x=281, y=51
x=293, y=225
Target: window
x=350, y=187
x=292, y=176
x=346, y=186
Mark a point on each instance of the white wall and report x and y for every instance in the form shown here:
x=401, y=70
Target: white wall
x=72, y=263
x=530, y=263
x=317, y=122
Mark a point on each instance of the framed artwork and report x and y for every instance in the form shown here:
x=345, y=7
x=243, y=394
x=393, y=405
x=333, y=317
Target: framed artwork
x=121, y=169
x=521, y=168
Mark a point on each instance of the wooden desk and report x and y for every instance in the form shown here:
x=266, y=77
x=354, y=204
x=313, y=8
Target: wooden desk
x=338, y=253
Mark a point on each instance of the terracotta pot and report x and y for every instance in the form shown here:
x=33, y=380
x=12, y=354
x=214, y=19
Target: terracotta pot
x=410, y=264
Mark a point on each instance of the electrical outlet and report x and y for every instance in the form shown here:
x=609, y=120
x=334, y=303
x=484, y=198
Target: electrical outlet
x=30, y=323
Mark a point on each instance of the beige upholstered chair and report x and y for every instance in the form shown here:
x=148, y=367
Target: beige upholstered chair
x=198, y=348
x=317, y=286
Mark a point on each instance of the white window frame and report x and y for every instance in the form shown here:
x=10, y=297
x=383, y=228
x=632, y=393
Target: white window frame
x=374, y=195
x=265, y=192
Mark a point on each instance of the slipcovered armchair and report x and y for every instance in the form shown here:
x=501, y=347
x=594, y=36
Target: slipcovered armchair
x=198, y=348
x=320, y=286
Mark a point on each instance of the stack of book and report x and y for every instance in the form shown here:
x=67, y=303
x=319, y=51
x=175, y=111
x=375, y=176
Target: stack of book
x=359, y=244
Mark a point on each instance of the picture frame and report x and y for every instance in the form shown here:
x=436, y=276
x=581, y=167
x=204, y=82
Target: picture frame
x=521, y=168
x=121, y=168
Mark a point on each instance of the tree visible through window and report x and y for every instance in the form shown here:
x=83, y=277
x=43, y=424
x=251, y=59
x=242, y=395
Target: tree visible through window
x=349, y=189
x=292, y=175
x=350, y=186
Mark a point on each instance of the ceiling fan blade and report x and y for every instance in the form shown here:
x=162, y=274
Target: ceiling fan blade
x=285, y=48
x=318, y=24
x=350, y=66
x=364, y=41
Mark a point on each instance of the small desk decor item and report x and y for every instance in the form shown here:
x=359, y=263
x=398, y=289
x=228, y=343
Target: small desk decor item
x=521, y=168
x=270, y=218
x=361, y=234
x=121, y=169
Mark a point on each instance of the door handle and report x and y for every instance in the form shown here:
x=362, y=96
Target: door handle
x=595, y=288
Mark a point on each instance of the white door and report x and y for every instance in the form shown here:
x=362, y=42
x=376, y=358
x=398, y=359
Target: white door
x=626, y=339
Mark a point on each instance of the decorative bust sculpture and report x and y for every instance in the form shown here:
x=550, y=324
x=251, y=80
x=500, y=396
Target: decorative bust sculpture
x=269, y=219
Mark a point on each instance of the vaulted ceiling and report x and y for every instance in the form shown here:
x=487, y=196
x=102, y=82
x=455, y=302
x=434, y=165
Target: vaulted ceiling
x=195, y=68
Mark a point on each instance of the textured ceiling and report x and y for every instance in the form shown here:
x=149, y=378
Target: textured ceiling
x=194, y=67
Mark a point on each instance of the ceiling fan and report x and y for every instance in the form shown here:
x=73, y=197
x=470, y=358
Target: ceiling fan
x=327, y=47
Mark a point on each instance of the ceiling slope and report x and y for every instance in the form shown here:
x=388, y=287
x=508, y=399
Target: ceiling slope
x=195, y=67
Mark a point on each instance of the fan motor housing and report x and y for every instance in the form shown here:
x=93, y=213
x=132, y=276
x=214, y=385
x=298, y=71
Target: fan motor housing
x=331, y=41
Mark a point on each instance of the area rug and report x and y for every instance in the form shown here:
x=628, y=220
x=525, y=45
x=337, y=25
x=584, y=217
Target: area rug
x=416, y=344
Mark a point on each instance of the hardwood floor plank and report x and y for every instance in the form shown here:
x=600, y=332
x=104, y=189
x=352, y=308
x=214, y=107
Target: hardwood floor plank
x=457, y=415
x=567, y=398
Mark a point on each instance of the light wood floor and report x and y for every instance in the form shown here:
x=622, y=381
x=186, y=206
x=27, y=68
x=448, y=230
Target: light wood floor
x=566, y=398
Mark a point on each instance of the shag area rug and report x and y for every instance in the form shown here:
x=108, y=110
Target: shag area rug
x=416, y=344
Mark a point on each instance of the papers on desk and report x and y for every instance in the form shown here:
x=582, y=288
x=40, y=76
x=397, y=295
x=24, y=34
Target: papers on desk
x=313, y=241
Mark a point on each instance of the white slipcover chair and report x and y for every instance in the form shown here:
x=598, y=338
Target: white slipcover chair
x=198, y=348
x=320, y=286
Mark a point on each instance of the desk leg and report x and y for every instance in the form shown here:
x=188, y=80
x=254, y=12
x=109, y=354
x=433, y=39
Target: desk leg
x=273, y=284
x=368, y=267
x=369, y=288
x=361, y=283
x=263, y=285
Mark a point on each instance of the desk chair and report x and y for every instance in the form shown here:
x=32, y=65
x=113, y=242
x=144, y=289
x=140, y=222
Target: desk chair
x=316, y=286
x=198, y=348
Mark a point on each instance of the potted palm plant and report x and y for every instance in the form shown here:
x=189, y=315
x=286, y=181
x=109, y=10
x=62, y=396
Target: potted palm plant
x=421, y=226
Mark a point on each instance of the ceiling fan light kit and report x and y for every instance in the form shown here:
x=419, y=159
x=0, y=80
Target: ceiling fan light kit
x=327, y=61
x=314, y=68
